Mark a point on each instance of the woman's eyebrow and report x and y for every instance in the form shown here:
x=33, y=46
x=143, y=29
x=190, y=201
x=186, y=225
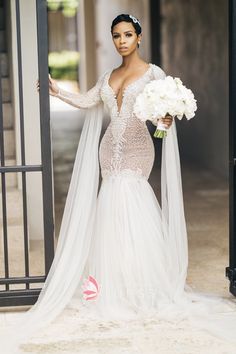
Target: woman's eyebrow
x=124, y=32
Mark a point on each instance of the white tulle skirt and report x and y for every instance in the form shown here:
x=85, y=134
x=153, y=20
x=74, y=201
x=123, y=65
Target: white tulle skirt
x=131, y=261
x=128, y=255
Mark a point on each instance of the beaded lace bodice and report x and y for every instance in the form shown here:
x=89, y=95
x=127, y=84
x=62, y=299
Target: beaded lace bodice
x=126, y=147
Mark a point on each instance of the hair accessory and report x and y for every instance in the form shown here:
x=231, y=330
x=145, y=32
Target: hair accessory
x=135, y=20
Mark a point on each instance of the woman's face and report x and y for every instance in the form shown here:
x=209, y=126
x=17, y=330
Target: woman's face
x=125, y=38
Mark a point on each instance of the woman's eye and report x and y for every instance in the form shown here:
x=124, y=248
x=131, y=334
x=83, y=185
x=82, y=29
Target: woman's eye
x=115, y=36
x=129, y=34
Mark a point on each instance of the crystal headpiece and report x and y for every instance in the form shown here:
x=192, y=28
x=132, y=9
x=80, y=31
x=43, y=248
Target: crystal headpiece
x=135, y=20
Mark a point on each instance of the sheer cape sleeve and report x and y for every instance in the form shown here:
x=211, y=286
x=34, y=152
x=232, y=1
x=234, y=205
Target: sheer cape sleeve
x=83, y=100
x=173, y=215
x=74, y=239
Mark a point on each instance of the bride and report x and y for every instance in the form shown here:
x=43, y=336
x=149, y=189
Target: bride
x=135, y=249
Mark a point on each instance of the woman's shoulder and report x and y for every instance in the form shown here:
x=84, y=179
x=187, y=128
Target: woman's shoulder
x=101, y=78
x=103, y=75
x=158, y=72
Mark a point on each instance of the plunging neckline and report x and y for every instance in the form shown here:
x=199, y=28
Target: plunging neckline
x=125, y=89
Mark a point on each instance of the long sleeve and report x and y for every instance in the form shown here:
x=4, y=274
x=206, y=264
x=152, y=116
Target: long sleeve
x=83, y=100
x=158, y=74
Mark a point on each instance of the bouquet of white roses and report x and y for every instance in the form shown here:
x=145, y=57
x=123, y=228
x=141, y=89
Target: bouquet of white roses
x=163, y=97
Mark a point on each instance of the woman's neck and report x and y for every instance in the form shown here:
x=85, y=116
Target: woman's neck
x=132, y=60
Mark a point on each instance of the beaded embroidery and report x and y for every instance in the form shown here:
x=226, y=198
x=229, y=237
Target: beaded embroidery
x=126, y=148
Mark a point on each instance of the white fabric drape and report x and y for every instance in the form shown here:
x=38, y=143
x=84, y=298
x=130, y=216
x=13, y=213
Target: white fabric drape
x=173, y=211
x=74, y=236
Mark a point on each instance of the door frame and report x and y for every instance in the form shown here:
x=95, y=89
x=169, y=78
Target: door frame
x=231, y=269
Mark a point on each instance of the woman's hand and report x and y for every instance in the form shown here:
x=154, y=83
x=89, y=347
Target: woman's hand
x=167, y=120
x=53, y=86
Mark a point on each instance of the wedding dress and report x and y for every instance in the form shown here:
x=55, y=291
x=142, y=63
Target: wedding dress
x=134, y=248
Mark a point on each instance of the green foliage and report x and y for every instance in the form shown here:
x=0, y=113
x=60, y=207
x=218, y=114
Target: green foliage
x=68, y=7
x=64, y=65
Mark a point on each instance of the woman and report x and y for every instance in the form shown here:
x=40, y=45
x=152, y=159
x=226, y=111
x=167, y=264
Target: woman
x=135, y=250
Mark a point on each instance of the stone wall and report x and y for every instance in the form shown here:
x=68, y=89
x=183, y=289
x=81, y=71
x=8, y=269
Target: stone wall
x=195, y=48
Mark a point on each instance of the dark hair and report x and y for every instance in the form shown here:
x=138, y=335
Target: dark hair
x=127, y=18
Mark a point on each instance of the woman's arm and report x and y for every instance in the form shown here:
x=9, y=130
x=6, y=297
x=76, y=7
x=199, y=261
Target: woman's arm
x=79, y=100
x=160, y=74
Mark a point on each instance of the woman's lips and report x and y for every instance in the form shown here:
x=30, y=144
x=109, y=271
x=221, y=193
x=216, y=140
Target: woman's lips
x=123, y=48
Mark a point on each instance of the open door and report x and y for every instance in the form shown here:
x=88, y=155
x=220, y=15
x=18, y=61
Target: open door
x=23, y=288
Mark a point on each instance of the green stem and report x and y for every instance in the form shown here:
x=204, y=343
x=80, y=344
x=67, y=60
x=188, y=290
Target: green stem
x=160, y=134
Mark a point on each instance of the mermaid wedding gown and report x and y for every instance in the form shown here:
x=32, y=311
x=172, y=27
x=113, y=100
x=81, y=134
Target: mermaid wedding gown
x=129, y=253
x=135, y=249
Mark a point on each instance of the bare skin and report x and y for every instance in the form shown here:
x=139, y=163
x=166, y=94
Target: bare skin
x=126, y=43
x=133, y=67
x=53, y=86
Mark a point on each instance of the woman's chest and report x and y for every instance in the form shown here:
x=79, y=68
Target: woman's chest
x=123, y=104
